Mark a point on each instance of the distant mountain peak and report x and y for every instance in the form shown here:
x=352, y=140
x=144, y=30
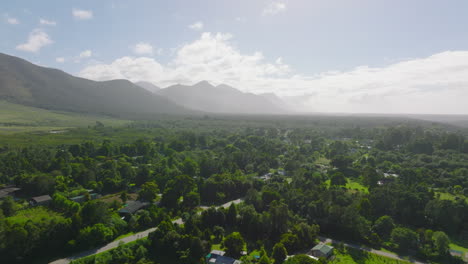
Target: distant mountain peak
x=203, y=83
x=222, y=98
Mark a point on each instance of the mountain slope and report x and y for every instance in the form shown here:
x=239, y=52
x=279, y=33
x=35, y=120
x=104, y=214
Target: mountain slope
x=220, y=99
x=28, y=84
x=149, y=86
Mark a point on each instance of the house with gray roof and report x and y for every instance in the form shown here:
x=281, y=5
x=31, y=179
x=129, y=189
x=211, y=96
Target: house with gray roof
x=322, y=250
x=40, y=200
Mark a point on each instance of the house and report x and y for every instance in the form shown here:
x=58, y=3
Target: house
x=82, y=198
x=8, y=191
x=40, y=200
x=217, y=257
x=132, y=207
x=322, y=250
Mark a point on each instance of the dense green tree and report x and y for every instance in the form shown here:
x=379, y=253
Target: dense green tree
x=279, y=253
x=149, y=191
x=441, y=242
x=233, y=244
x=404, y=238
x=383, y=226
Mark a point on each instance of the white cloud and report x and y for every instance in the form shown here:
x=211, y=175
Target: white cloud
x=196, y=26
x=82, y=14
x=11, y=20
x=274, y=8
x=435, y=84
x=60, y=59
x=47, y=22
x=36, y=40
x=143, y=48
x=86, y=54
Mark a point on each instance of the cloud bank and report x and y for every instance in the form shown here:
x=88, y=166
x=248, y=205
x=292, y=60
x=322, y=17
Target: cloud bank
x=435, y=84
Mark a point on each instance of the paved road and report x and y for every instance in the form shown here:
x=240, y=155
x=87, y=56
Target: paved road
x=128, y=239
x=374, y=251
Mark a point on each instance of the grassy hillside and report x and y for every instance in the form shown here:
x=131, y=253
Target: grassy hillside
x=19, y=118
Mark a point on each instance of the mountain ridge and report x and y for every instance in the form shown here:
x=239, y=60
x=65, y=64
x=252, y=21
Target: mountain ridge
x=222, y=99
x=28, y=84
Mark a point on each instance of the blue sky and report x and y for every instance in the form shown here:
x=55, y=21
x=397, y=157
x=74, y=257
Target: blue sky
x=331, y=56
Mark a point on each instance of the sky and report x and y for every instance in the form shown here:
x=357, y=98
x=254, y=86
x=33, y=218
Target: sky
x=360, y=56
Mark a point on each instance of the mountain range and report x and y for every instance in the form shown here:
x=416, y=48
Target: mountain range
x=222, y=99
x=24, y=83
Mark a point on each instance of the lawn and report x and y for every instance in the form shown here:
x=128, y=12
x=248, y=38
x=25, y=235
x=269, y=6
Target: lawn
x=451, y=197
x=352, y=185
x=35, y=214
x=459, y=245
x=354, y=256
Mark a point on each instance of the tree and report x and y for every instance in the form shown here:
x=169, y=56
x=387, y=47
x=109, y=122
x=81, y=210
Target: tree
x=95, y=235
x=94, y=212
x=218, y=232
x=405, y=238
x=231, y=216
x=264, y=260
x=338, y=179
x=149, y=191
x=124, y=196
x=8, y=206
x=441, y=242
x=384, y=226
x=191, y=200
x=279, y=253
x=233, y=244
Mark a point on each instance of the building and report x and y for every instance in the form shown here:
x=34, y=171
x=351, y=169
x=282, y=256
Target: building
x=132, y=207
x=217, y=257
x=322, y=250
x=8, y=191
x=40, y=200
x=82, y=198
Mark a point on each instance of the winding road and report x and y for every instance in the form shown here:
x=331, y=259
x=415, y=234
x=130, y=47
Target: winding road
x=128, y=239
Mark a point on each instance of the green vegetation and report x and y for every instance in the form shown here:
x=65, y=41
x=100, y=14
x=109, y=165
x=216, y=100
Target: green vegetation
x=363, y=181
x=37, y=214
x=18, y=118
x=451, y=197
x=354, y=256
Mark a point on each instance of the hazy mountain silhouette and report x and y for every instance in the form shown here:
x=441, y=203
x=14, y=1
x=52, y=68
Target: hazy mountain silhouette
x=28, y=84
x=222, y=99
x=149, y=86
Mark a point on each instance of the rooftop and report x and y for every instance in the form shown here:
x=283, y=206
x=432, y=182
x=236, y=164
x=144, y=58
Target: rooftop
x=42, y=198
x=324, y=248
x=7, y=191
x=132, y=207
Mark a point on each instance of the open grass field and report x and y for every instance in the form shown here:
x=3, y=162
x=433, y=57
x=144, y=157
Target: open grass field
x=354, y=256
x=35, y=214
x=352, y=186
x=18, y=118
